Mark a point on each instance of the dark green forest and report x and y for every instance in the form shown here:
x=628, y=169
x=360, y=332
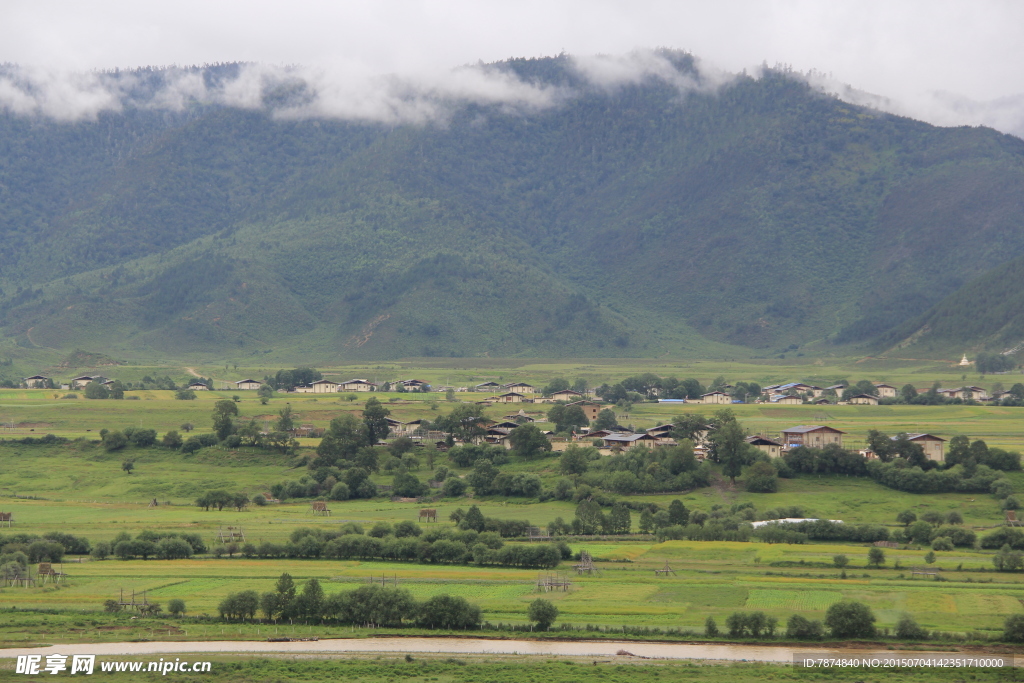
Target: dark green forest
x=630, y=222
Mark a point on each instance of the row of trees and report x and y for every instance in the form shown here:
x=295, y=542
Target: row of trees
x=366, y=606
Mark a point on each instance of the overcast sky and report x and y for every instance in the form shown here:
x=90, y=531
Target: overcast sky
x=948, y=62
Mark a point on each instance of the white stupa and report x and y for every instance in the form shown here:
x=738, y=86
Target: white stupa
x=964, y=361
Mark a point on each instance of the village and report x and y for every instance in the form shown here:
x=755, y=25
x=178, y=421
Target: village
x=608, y=439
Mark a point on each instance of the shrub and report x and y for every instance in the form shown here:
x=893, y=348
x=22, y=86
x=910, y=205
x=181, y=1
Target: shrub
x=942, y=543
x=259, y=500
x=840, y=561
x=803, y=628
x=710, y=627
x=848, y=619
x=1013, y=628
x=543, y=613
x=762, y=478
x=340, y=491
x=449, y=612
x=908, y=629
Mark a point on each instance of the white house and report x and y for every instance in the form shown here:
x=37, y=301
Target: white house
x=36, y=382
x=355, y=385
x=248, y=385
x=324, y=386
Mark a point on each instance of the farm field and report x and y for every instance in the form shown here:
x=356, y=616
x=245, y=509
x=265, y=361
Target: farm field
x=712, y=579
x=79, y=488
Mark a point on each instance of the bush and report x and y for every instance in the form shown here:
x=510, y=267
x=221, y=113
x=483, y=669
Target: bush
x=710, y=627
x=174, y=549
x=848, y=619
x=101, y=551
x=114, y=441
x=259, y=500
x=803, y=628
x=340, y=491
x=448, y=612
x=453, y=487
x=942, y=543
x=907, y=629
x=762, y=478
x=1013, y=628
x=543, y=613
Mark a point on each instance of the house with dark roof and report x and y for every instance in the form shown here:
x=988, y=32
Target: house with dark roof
x=248, y=384
x=863, y=400
x=566, y=395
x=36, y=382
x=354, y=385
x=715, y=397
x=763, y=443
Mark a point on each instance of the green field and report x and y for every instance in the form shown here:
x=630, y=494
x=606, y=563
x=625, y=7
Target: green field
x=79, y=488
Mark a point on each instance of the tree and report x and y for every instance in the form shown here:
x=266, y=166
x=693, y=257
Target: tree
x=646, y=521
x=574, y=460
x=342, y=441
x=284, y=419
x=730, y=444
x=448, y=612
x=1013, y=628
x=528, y=441
x=606, y=420
x=474, y=519
x=677, y=513
x=185, y=395
x=567, y=418
x=762, y=478
x=187, y=427
x=590, y=518
x=128, y=466
x=710, y=627
x=954, y=518
x=176, y=607
x=689, y=426
x=803, y=628
x=908, y=393
x=929, y=557
x=114, y=441
x=310, y=602
x=906, y=518
x=223, y=411
x=172, y=440
x=375, y=418
x=620, y=521
x=96, y=390
x=543, y=613
x=849, y=619
x=840, y=561
x=876, y=557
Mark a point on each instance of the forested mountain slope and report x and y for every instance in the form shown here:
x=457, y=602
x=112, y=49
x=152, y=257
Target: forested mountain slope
x=636, y=220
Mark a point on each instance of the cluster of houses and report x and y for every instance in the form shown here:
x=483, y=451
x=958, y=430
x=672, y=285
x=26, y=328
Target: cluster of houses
x=799, y=393
x=819, y=436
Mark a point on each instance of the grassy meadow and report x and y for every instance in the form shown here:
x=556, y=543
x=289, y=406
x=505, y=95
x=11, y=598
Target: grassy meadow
x=79, y=488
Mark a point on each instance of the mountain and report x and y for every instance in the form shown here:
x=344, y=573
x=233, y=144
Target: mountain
x=750, y=217
x=985, y=314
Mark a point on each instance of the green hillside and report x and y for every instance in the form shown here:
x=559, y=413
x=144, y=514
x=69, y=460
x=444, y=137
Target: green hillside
x=985, y=314
x=630, y=222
